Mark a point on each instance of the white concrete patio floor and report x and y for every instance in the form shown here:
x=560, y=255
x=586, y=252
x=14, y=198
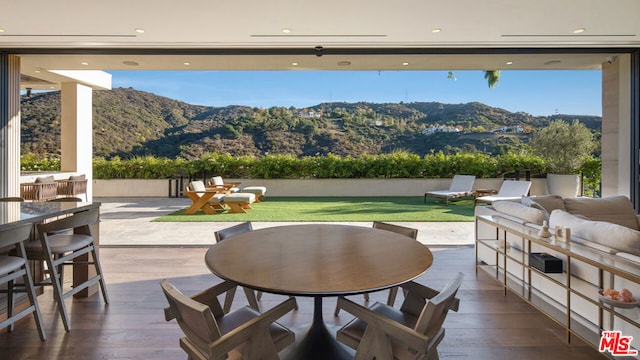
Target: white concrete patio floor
x=128, y=222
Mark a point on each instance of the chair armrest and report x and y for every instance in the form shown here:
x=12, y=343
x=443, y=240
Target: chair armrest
x=254, y=328
x=207, y=297
x=418, y=294
x=392, y=328
x=424, y=292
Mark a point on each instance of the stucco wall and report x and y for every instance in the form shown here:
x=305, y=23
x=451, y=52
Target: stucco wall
x=307, y=187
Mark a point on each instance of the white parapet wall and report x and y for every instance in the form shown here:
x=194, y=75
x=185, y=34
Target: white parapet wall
x=303, y=187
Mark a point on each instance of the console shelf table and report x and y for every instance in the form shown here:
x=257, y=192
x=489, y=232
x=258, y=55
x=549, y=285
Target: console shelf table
x=570, y=298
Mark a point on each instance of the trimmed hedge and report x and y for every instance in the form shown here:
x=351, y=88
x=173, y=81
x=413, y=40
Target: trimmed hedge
x=395, y=165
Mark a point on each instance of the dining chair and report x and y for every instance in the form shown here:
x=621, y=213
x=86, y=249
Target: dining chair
x=411, y=332
x=14, y=267
x=210, y=333
x=402, y=230
x=227, y=233
x=57, y=249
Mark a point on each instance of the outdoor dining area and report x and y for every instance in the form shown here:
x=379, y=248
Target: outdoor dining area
x=295, y=291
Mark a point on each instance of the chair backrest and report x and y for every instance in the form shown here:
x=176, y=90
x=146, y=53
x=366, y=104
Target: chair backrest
x=216, y=180
x=462, y=183
x=15, y=234
x=196, y=185
x=233, y=231
x=436, y=309
x=403, y=230
x=195, y=319
x=513, y=188
x=80, y=219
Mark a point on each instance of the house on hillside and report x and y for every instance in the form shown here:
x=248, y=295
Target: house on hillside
x=510, y=129
x=309, y=114
x=441, y=129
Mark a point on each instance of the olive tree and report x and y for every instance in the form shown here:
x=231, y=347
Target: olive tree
x=564, y=147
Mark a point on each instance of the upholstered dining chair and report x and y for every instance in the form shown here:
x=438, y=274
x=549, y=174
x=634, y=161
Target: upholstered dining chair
x=411, y=332
x=402, y=230
x=14, y=267
x=210, y=333
x=227, y=233
x=58, y=248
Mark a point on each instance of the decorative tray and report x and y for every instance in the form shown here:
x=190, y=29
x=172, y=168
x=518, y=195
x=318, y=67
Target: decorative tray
x=616, y=303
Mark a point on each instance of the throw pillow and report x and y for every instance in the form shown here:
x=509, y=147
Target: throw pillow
x=547, y=203
x=528, y=214
x=77, y=177
x=612, y=209
x=45, y=179
x=614, y=236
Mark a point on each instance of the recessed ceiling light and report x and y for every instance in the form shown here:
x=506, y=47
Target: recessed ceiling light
x=84, y=63
x=436, y=30
x=579, y=30
x=1, y=30
x=294, y=63
x=130, y=63
x=140, y=31
x=405, y=64
x=186, y=63
x=286, y=30
x=509, y=62
x=344, y=63
x=52, y=87
x=37, y=71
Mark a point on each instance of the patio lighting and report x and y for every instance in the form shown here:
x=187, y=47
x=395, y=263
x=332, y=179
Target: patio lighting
x=579, y=30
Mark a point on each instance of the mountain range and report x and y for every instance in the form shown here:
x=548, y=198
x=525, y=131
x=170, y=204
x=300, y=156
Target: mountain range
x=129, y=122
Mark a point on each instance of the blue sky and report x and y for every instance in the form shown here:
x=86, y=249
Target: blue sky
x=536, y=92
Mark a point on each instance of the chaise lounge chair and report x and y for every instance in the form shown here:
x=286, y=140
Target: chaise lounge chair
x=509, y=190
x=461, y=185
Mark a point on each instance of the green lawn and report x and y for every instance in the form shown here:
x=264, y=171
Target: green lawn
x=343, y=209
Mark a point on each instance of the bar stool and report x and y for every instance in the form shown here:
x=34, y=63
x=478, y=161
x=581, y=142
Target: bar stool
x=13, y=267
x=58, y=248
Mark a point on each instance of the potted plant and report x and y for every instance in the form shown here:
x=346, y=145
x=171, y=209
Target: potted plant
x=565, y=148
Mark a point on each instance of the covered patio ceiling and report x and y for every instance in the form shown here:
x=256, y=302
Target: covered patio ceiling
x=280, y=35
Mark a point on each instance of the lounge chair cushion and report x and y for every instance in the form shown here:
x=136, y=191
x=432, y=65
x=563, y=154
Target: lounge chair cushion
x=240, y=197
x=258, y=190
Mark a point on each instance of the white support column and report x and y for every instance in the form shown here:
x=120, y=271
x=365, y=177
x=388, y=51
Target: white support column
x=616, y=126
x=9, y=125
x=77, y=131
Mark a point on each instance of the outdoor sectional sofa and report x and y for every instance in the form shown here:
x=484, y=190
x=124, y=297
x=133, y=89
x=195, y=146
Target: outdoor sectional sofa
x=603, y=251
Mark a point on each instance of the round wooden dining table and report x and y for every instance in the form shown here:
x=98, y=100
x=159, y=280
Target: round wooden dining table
x=319, y=260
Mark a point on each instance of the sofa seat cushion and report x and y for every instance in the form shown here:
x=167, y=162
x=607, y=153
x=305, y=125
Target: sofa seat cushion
x=526, y=213
x=618, y=237
x=612, y=209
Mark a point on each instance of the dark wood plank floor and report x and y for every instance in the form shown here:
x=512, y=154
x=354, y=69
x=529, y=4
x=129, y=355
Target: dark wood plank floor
x=132, y=326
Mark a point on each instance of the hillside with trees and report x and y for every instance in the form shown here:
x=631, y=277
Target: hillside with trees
x=129, y=123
